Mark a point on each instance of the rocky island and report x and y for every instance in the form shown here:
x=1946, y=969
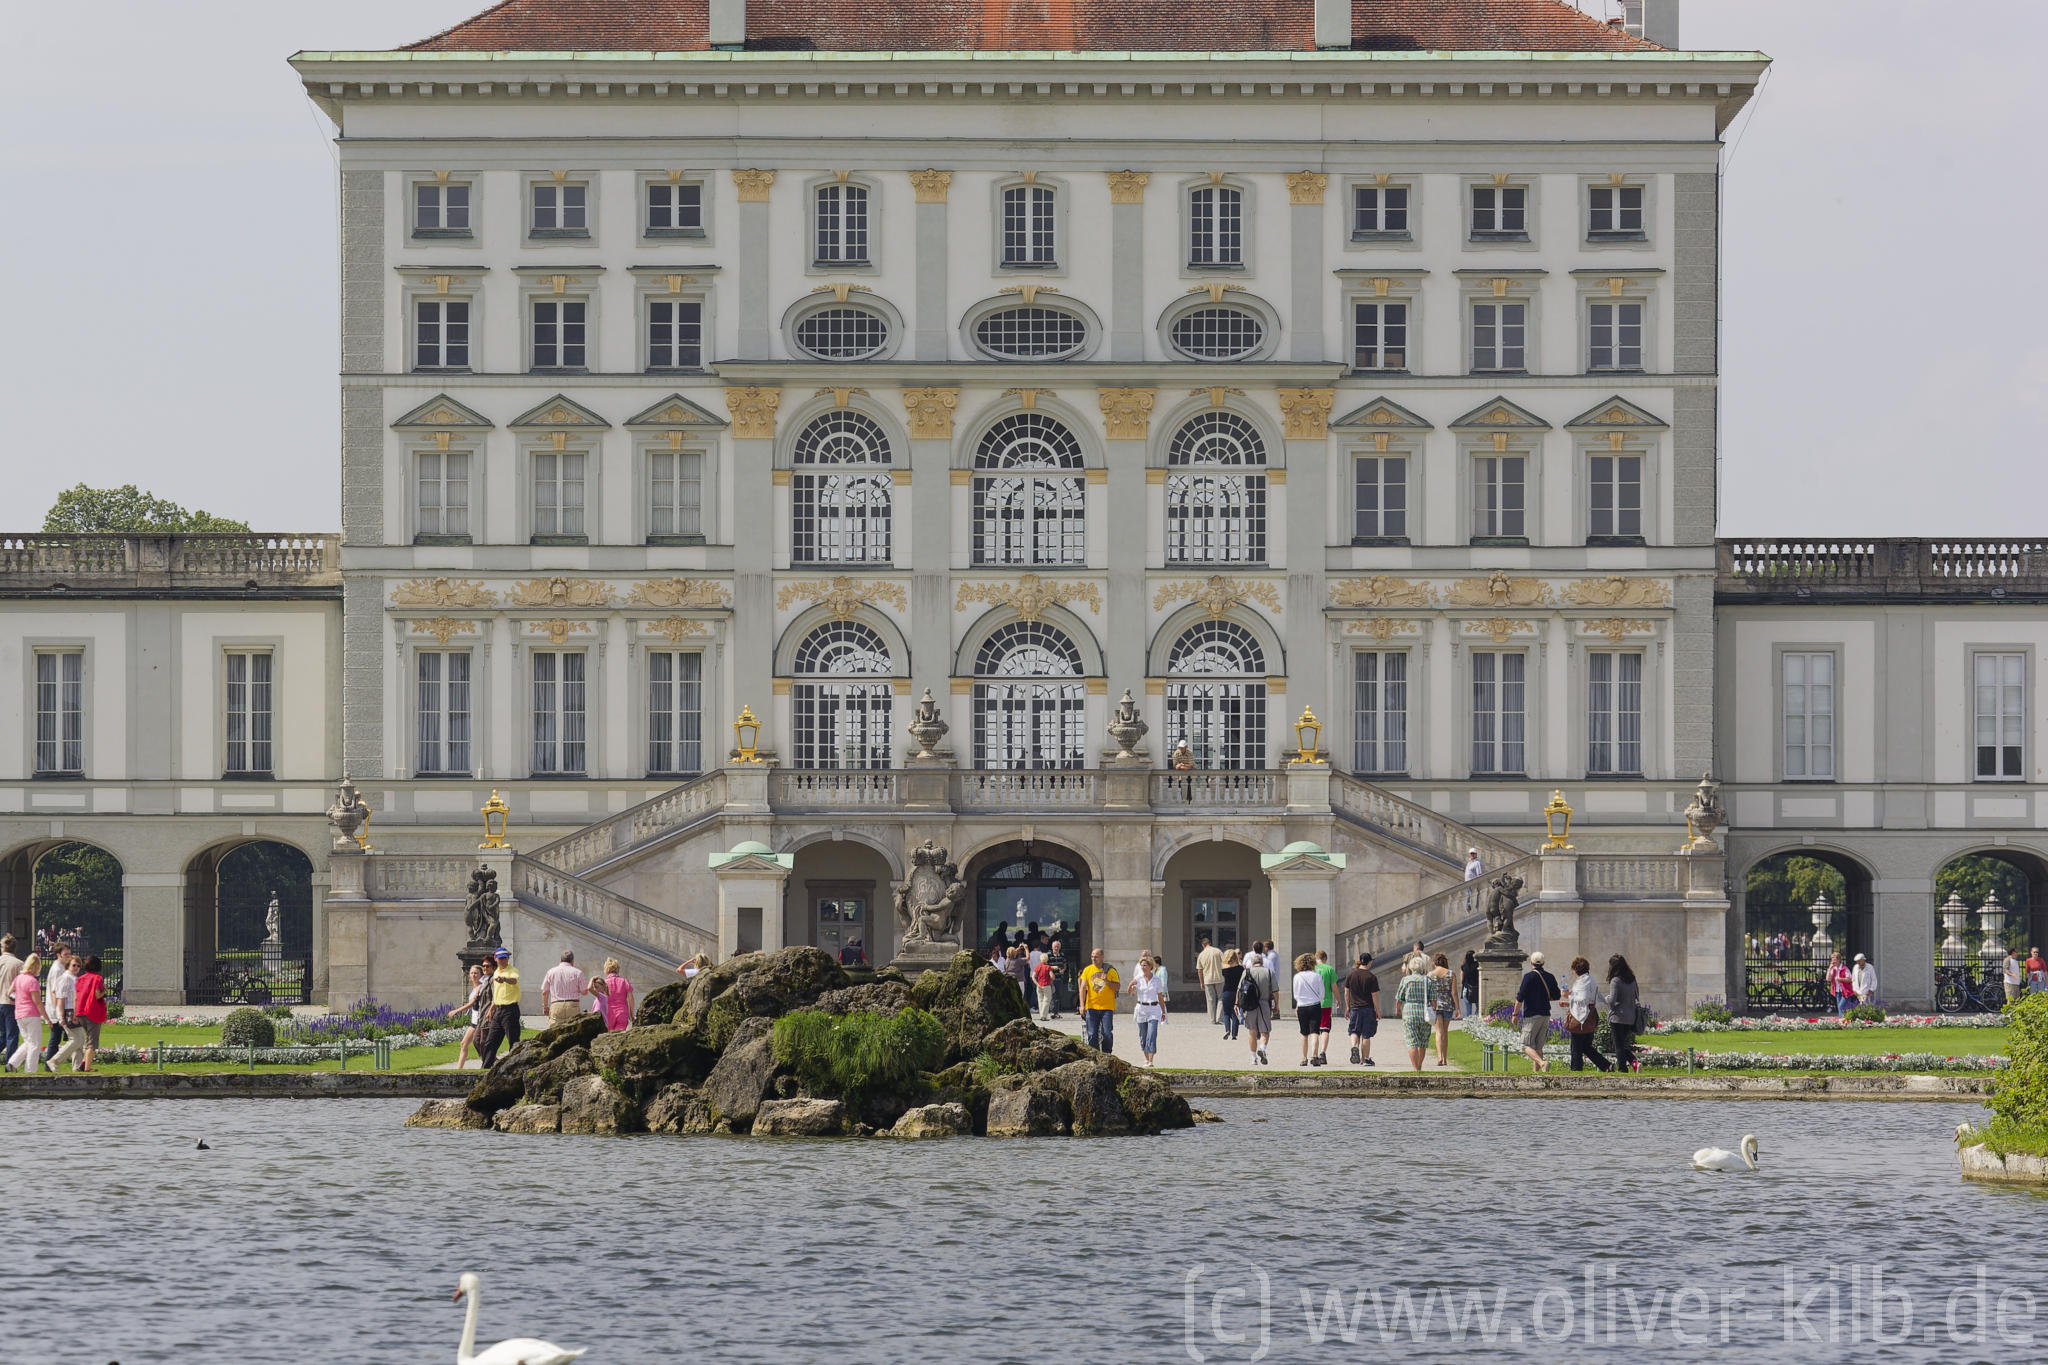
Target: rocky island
x=785, y=1044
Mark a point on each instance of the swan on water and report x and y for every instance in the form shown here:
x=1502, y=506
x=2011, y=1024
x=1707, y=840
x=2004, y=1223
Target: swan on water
x=1716, y=1159
x=517, y=1351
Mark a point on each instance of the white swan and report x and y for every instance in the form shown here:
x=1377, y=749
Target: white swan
x=1716, y=1159
x=517, y=1351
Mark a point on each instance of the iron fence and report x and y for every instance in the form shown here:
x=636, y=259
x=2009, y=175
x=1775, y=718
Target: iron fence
x=1782, y=984
x=244, y=978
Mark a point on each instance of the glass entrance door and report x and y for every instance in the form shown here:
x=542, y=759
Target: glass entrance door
x=842, y=928
x=1219, y=918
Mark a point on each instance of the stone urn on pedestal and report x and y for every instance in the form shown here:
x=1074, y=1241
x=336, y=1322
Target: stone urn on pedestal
x=480, y=916
x=1991, y=915
x=347, y=815
x=1955, y=917
x=1128, y=729
x=1823, y=912
x=927, y=727
x=1705, y=815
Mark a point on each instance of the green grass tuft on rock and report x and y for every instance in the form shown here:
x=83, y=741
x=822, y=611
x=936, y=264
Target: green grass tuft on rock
x=860, y=1056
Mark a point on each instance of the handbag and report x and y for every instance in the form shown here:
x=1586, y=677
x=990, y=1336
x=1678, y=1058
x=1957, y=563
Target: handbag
x=1590, y=1024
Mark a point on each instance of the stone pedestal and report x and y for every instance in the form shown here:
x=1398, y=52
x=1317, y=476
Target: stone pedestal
x=1126, y=783
x=475, y=955
x=273, y=954
x=925, y=957
x=347, y=917
x=926, y=782
x=1308, y=788
x=1500, y=974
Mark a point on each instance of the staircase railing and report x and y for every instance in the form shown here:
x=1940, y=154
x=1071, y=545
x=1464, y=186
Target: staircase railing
x=652, y=818
x=1430, y=917
x=1431, y=831
x=640, y=929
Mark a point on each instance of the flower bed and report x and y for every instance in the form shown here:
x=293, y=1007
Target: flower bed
x=367, y=1019
x=1772, y=1023
x=305, y=1054
x=1702, y=1060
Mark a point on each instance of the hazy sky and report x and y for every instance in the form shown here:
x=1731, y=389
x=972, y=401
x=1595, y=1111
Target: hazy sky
x=168, y=247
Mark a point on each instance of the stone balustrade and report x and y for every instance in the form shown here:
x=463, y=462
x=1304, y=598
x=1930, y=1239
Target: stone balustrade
x=835, y=789
x=626, y=922
x=652, y=818
x=235, y=560
x=1880, y=569
x=1027, y=790
x=1418, y=825
x=407, y=876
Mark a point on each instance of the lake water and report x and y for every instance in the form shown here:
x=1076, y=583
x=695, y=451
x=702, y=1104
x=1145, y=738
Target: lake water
x=322, y=1230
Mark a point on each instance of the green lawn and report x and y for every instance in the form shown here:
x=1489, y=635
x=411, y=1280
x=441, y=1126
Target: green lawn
x=144, y=1035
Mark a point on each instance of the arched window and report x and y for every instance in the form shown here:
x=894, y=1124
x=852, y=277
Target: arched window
x=1029, y=493
x=840, y=490
x=1028, y=699
x=1216, y=492
x=1216, y=695
x=842, y=697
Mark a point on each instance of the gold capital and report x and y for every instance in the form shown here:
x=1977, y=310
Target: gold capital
x=931, y=413
x=1306, y=187
x=1128, y=187
x=931, y=186
x=753, y=412
x=752, y=185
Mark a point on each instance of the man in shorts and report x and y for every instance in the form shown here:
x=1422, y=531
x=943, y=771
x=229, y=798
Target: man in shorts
x=1329, y=976
x=1532, y=1006
x=1362, y=991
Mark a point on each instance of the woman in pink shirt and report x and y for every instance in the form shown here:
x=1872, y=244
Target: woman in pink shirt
x=28, y=1013
x=615, y=996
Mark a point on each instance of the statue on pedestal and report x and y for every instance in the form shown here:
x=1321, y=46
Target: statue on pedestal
x=1503, y=894
x=480, y=913
x=347, y=815
x=928, y=903
x=927, y=726
x=271, y=916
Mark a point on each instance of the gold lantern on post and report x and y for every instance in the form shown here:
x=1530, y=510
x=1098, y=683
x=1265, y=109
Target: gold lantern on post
x=495, y=813
x=747, y=736
x=1308, y=734
x=1557, y=818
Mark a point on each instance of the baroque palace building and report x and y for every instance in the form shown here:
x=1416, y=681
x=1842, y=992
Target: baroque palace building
x=1336, y=362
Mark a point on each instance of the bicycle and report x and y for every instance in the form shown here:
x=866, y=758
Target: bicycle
x=1957, y=991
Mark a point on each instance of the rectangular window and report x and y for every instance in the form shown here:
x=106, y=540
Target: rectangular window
x=675, y=334
x=675, y=493
x=60, y=712
x=1380, y=711
x=842, y=225
x=1028, y=226
x=839, y=517
x=1614, y=714
x=441, y=678
x=2001, y=703
x=1616, y=211
x=441, y=334
x=1216, y=226
x=1809, y=717
x=558, y=334
x=675, y=713
x=1500, y=211
x=1616, y=510
x=1379, y=336
x=1029, y=519
x=558, y=714
x=248, y=712
x=1614, y=338
x=442, y=481
x=675, y=210
x=1498, y=714
x=1499, y=496
x=1499, y=335
x=1380, y=502
x=1379, y=210
x=561, y=210
x=440, y=210
x=558, y=493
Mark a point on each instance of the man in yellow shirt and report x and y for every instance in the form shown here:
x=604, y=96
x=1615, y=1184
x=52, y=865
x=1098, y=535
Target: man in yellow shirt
x=501, y=1025
x=1098, y=1003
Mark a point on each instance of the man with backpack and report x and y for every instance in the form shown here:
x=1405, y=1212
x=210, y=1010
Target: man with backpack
x=1255, y=1005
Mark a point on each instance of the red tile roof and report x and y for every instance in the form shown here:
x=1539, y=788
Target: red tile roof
x=1032, y=26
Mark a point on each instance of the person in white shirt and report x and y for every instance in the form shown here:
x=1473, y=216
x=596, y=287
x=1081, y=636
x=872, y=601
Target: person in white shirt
x=1473, y=869
x=562, y=991
x=10, y=1034
x=2015, y=973
x=1863, y=980
x=1149, y=987
x=60, y=1006
x=1581, y=1000
x=1308, y=1001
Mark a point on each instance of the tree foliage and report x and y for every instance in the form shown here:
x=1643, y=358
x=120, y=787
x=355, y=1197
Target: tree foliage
x=79, y=885
x=2019, y=1095
x=83, y=510
x=249, y=877
x=1975, y=875
x=1779, y=891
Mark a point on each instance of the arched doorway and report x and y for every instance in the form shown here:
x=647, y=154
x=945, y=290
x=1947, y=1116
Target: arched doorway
x=1216, y=889
x=232, y=957
x=1788, y=930
x=72, y=891
x=839, y=899
x=1969, y=949
x=1035, y=894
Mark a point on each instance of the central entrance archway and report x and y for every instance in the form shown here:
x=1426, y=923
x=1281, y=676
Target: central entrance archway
x=1789, y=931
x=1037, y=896
x=231, y=955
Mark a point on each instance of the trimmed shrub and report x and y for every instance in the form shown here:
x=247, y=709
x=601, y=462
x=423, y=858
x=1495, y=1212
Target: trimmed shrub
x=1713, y=1010
x=861, y=1056
x=1865, y=1014
x=245, y=1026
x=2019, y=1096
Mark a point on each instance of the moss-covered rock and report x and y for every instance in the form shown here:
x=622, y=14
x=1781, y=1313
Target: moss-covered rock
x=504, y=1085
x=581, y=1031
x=756, y=984
x=886, y=998
x=446, y=1114
x=1022, y=1046
x=589, y=1105
x=544, y=1080
x=640, y=1060
x=529, y=1118
x=1092, y=1096
x=677, y=1109
x=800, y=1118
x=745, y=1076
x=659, y=1005
x=1026, y=1106
x=1152, y=1105
x=972, y=999
x=934, y=1121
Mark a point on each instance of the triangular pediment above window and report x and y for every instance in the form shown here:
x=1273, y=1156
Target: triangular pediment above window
x=1499, y=414
x=1617, y=413
x=674, y=412
x=1382, y=414
x=556, y=413
x=441, y=413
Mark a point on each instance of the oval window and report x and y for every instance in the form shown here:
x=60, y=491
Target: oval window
x=1217, y=333
x=1031, y=333
x=842, y=333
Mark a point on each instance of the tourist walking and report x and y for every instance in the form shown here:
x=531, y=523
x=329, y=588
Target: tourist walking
x=1532, y=1007
x=1443, y=997
x=1841, y=985
x=474, y=1004
x=1149, y=990
x=1324, y=1021
x=10, y=1034
x=2037, y=971
x=1034, y=957
x=60, y=1008
x=614, y=997
x=1209, y=971
x=2013, y=975
x=1362, y=996
x=1017, y=966
x=501, y=1025
x=28, y=1017
x=1099, y=985
x=1625, y=1010
x=55, y=1036
x=1308, y=1004
x=1041, y=981
x=1056, y=958
x=1273, y=965
x=1863, y=976
x=562, y=991
x=1582, y=1017
x=1468, y=983
x=1233, y=975
x=1255, y=990
x=1474, y=869
x=1412, y=995
x=91, y=1010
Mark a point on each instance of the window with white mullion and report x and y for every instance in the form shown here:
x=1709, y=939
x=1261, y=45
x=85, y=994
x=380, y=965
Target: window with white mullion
x=675, y=712
x=842, y=225
x=1215, y=518
x=1380, y=498
x=1499, y=496
x=675, y=209
x=440, y=209
x=1216, y=696
x=675, y=493
x=1614, y=714
x=1809, y=716
x=1500, y=210
x=248, y=715
x=1999, y=689
x=1614, y=336
x=675, y=334
x=559, y=333
x=60, y=712
x=1499, y=718
x=1029, y=700
x=1615, y=211
x=1615, y=510
x=1028, y=226
x=558, y=500
x=840, y=518
x=440, y=334
x=1379, y=336
x=441, y=481
x=1379, y=715
x=560, y=208
x=441, y=712
x=1500, y=333
x=1379, y=209
x=1216, y=226
x=559, y=716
